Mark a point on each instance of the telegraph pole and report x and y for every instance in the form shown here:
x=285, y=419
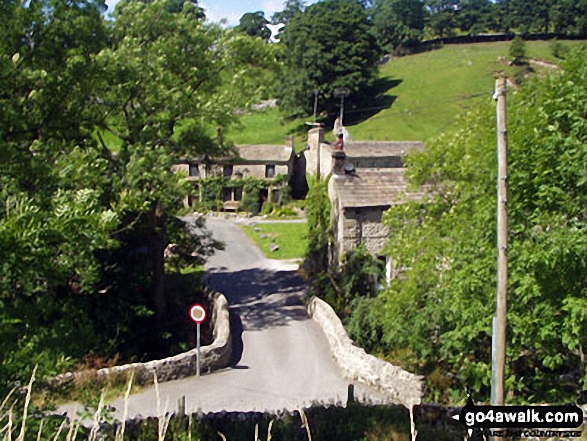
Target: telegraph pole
x=499, y=321
x=341, y=92
x=315, y=103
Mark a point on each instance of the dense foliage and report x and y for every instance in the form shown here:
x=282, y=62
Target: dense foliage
x=254, y=25
x=83, y=229
x=473, y=17
x=340, y=285
x=327, y=46
x=436, y=315
x=398, y=23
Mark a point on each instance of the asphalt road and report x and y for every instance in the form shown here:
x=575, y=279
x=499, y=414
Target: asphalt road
x=282, y=359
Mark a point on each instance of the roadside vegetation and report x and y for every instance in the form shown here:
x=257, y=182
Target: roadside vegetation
x=318, y=422
x=435, y=317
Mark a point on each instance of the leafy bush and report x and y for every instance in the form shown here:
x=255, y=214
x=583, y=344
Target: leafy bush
x=517, y=50
x=558, y=49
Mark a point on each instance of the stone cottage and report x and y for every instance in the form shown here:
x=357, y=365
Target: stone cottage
x=371, y=155
x=264, y=162
x=367, y=178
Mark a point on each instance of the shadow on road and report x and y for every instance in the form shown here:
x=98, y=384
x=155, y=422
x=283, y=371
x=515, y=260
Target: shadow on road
x=261, y=298
x=236, y=328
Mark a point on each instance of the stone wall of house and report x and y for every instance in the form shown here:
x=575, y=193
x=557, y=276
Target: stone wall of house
x=181, y=168
x=213, y=357
x=259, y=170
x=374, y=233
x=361, y=225
x=402, y=387
x=336, y=220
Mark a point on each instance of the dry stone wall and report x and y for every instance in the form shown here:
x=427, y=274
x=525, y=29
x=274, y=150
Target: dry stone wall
x=213, y=357
x=402, y=387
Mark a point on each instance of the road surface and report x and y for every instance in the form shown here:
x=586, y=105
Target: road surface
x=282, y=359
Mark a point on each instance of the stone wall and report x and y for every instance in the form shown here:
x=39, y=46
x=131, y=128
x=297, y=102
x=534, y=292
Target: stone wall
x=258, y=170
x=402, y=387
x=361, y=225
x=213, y=357
x=374, y=234
x=326, y=161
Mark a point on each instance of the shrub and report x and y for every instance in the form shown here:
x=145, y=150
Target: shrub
x=518, y=50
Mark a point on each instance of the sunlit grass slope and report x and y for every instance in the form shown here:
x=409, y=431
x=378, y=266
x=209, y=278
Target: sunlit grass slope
x=430, y=90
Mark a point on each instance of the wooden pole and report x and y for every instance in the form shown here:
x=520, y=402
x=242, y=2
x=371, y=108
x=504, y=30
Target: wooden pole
x=499, y=326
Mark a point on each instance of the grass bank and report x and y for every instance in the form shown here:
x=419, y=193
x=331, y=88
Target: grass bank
x=290, y=237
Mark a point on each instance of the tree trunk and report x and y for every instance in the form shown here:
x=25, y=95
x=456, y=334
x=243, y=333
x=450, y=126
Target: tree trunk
x=158, y=244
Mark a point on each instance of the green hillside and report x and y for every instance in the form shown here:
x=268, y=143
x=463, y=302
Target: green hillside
x=428, y=91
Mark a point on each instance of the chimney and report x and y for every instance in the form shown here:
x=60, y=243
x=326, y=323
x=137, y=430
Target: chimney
x=338, y=162
x=289, y=141
x=315, y=140
x=315, y=137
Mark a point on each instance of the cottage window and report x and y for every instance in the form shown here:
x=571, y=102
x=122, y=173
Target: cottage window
x=238, y=193
x=270, y=171
x=194, y=170
x=226, y=194
x=227, y=171
x=275, y=195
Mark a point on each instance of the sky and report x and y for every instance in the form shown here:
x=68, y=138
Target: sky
x=232, y=10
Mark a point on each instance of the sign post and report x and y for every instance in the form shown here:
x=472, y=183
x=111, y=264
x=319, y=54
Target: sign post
x=198, y=315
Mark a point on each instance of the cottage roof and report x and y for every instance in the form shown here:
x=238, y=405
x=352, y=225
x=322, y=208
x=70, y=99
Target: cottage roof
x=265, y=153
x=378, y=149
x=373, y=188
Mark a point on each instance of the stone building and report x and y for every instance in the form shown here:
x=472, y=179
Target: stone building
x=367, y=178
x=371, y=155
x=264, y=162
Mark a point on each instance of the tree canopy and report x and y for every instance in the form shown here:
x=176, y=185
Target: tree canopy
x=398, y=23
x=290, y=9
x=254, y=25
x=328, y=45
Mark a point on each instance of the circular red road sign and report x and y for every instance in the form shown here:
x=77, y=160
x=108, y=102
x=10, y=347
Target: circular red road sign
x=197, y=313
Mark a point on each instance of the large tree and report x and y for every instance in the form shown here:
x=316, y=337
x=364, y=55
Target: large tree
x=254, y=25
x=54, y=217
x=290, y=9
x=76, y=219
x=398, y=23
x=171, y=77
x=443, y=17
x=329, y=45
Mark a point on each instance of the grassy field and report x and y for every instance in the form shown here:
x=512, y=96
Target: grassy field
x=268, y=126
x=290, y=237
x=427, y=92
